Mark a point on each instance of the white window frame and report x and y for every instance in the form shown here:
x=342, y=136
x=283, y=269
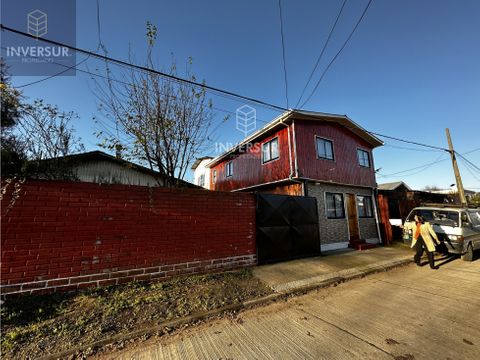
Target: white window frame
x=369, y=157
x=229, y=169
x=343, y=205
x=365, y=216
x=201, y=180
x=214, y=176
x=316, y=148
x=268, y=144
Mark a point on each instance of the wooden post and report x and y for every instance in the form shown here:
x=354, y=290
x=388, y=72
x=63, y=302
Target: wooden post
x=458, y=178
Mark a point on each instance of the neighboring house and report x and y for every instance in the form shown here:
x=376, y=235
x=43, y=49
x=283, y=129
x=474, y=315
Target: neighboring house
x=315, y=154
x=395, y=201
x=201, y=174
x=102, y=168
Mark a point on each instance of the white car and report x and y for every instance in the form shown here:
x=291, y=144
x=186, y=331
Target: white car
x=457, y=227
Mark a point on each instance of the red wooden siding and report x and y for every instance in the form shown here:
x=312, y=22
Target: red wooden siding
x=287, y=189
x=248, y=169
x=344, y=168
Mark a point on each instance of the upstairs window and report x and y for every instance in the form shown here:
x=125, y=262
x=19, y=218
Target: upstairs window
x=324, y=148
x=364, y=204
x=201, y=180
x=214, y=176
x=363, y=158
x=334, y=206
x=270, y=150
x=229, y=169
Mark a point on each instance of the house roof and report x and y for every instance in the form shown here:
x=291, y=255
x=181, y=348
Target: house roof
x=100, y=155
x=289, y=115
x=393, y=186
x=199, y=160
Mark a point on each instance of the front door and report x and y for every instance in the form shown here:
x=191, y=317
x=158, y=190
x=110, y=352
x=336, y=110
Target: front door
x=352, y=218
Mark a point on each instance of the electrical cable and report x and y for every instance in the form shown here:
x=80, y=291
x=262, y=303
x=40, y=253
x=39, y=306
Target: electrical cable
x=322, y=52
x=283, y=50
x=146, y=69
x=337, y=54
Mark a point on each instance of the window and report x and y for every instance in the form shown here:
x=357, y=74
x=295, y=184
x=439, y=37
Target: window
x=324, y=148
x=363, y=158
x=475, y=217
x=364, y=204
x=270, y=150
x=201, y=180
x=214, y=176
x=334, y=206
x=229, y=169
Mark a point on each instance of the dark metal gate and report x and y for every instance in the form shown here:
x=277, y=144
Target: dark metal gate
x=287, y=227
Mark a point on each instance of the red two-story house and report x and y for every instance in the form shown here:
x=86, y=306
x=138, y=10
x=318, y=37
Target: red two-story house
x=315, y=154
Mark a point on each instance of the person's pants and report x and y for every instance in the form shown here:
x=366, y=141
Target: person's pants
x=419, y=248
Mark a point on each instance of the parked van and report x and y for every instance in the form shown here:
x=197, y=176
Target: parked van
x=458, y=228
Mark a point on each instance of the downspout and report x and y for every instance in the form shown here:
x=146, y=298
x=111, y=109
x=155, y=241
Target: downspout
x=291, y=176
x=305, y=182
x=375, y=195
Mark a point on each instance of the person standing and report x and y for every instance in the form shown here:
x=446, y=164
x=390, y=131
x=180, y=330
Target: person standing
x=424, y=239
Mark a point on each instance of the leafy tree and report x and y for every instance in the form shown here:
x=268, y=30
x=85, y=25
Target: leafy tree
x=33, y=133
x=11, y=110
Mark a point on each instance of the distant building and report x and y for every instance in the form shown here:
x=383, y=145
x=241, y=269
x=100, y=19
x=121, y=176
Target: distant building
x=395, y=201
x=99, y=167
x=201, y=174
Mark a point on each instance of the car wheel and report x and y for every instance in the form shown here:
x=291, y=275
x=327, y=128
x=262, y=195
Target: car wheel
x=468, y=256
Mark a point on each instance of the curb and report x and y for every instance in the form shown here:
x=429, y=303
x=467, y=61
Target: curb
x=234, y=307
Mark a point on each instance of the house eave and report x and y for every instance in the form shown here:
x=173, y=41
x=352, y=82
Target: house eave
x=342, y=120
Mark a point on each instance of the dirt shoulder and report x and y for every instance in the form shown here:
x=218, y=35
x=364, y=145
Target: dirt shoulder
x=35, y=326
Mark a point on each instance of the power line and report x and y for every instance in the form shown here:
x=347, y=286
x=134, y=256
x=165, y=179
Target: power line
x=217, y=91
x=408, y=141
x=468, y=161
x=337, y=54
x=422, y=167
x=409, y=148
x=322, y=52
x=427, y=165
x=146, y=69
x=283, y=50
x=54, y=75
x=466, y=166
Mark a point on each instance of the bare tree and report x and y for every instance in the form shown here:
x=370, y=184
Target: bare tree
x=46, y=134
x=155, y=120
x=431, y=188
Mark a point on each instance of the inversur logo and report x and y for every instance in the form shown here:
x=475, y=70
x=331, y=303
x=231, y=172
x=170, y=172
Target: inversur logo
x=37, y=26
x=26, y=52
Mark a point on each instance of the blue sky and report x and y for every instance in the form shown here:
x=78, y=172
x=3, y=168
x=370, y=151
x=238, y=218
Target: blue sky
x=410, y=70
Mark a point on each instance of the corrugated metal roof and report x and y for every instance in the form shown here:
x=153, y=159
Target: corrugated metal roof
x=393, y=185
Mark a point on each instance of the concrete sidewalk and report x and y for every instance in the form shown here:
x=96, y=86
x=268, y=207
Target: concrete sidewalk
x=307, y=273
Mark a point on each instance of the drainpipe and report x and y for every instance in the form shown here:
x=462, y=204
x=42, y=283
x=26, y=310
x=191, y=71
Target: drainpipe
x=375, y=195
x=291, y=176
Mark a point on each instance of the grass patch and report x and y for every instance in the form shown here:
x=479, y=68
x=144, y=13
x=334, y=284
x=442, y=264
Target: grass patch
x=34, y=326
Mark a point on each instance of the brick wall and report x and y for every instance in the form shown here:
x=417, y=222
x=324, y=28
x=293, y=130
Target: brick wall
x=65, y=235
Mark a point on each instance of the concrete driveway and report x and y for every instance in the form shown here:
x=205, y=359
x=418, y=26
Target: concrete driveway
x=407, y=313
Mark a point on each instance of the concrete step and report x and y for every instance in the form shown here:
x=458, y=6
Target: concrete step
x=361, y=245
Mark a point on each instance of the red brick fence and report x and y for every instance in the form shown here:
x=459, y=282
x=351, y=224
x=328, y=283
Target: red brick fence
x=66, y=235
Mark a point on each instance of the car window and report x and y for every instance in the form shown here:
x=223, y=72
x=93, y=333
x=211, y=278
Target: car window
x=474, y=217
x=436, y=216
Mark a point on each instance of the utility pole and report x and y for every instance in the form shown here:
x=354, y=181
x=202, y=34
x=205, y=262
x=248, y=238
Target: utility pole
x=458, y=178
